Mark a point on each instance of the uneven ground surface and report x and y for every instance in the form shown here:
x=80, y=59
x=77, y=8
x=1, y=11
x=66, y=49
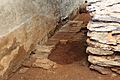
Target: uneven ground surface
x=71, y=62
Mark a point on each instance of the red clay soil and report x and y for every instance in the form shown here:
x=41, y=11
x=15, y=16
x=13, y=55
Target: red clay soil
x=72, y=62
x=70, y=52
x=64, y=72
x=85, y=17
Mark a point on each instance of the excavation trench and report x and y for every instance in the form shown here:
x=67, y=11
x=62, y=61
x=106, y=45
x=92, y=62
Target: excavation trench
x=32, y=47
x=70, y=56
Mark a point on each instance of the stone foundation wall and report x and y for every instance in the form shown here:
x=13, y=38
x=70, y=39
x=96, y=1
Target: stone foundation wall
x=25, y=23
x=104, y=36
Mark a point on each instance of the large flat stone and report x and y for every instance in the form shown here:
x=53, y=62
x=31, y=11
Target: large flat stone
x=43, y=49
x=107, y=61
x=98, y=51
x=105, y=18
x=104, y=3
x=103, y=27
x=93, y=1
x=100, y=69
x=103, y=37
x=44, y=63
x=103, y=46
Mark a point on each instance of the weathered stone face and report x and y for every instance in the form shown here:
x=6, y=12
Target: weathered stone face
x=18, y=44
x=25, y=23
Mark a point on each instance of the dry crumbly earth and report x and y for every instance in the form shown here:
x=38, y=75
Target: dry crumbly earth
x=71, y=59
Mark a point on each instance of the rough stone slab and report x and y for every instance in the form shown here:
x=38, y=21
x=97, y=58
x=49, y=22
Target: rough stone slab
x=98, y=51
x=39, y=56
x=29, y=62
x=103, y=46
x=114, y=14
x=107, y=61
x=43, y=49
x=93, y=1
x=91, y=8
x=104, y=3
x=103, y=27
x=111, y=14
x=105, y=18
x=44, y=63
x=100, y=69
x=103, y=37
x=115, y=32
x=113, y=11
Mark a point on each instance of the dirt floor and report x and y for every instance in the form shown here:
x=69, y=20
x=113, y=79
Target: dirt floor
x=71, y=59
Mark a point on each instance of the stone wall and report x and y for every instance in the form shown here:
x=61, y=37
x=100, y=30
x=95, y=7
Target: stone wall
x=23, y=24
x=104, y=36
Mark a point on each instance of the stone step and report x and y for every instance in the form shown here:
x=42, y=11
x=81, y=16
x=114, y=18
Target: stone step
x=44, y=63
x=43, y=49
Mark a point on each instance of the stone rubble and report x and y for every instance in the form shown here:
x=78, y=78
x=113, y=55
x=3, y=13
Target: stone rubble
x=104, y=35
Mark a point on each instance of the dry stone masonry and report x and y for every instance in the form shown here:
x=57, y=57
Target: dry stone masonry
x=104, y=35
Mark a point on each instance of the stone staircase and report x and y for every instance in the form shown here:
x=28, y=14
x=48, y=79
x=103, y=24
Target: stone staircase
x=104, y=35
x=39, y=58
